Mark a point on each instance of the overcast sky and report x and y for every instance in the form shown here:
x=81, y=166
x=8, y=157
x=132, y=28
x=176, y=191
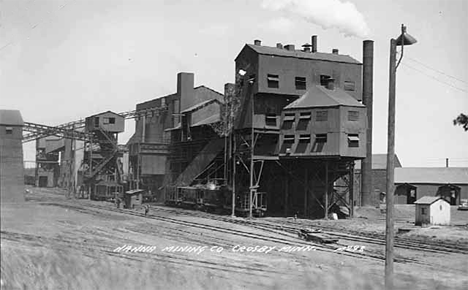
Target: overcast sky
x=62, y=60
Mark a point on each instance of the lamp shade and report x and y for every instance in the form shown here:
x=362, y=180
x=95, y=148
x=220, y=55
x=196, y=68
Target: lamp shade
x=405, y=39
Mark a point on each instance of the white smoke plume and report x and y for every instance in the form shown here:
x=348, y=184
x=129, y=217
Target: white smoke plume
x=343, y=16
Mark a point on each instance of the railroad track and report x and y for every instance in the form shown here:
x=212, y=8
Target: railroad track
x=376, y=239
x=427, y=246
x=290, y=241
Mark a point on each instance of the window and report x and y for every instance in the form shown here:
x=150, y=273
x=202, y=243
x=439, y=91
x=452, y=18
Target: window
x=107, y=120
x=301, y=83
x=304, y=141
x=304, y=120
x=353, y=140
x=288, y=121
x=423, y=210
x=320, y=140
x=9, y=130
x=349, y=86
x=321, y=116
x=305, y=116
x=324, y=80
x=289, y=138
x=96, y=121
x=273, y=81
x=353, y=116
x=270, y=120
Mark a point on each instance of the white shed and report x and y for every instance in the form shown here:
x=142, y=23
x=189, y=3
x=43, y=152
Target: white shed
x=432, y=210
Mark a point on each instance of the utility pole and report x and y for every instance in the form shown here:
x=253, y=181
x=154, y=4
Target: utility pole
x=252, y=167
x=403, y=39
x=389, y=232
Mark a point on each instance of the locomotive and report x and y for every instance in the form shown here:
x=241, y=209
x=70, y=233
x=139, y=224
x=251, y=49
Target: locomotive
x=211, y=197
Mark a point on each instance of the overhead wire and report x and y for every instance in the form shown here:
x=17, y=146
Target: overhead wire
x=435, y=78
x=435, y=70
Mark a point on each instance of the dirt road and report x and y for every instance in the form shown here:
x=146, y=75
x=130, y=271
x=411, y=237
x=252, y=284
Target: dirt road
x=51, y=242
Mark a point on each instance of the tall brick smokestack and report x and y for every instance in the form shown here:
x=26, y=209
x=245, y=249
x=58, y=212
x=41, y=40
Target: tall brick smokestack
x=314, y=43
x=367, y=192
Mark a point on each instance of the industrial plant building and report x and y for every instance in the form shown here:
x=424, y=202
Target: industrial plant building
x=11, y=156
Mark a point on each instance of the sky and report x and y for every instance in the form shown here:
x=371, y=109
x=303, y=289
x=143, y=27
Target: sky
x=63, y=60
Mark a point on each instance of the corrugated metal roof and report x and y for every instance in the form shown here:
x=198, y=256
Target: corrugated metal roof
x=210, y=120
x=428, y=199
x=200, y=105
x=106, y=112
x=379, y=161
x=435, y=175
x=267, y=50
x=11, y=117
x=319, y=96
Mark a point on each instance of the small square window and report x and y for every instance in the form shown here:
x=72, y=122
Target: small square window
x=111, y=120
x=96, y=121
x=423, y=210
x=353, y=140
x=349, y=86
x=324, y=80
x=321, y=116
x=353, y=116
x=273, y=81
x=301, y=83
x=8, y=130
x=270, y=120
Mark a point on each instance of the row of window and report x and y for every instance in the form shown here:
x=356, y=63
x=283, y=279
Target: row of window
x=105, y=120
x=321, y=116
x=353, y=139
x=301, y=82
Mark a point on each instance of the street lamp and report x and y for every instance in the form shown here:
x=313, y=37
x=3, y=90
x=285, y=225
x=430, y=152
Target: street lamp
x=402, y=40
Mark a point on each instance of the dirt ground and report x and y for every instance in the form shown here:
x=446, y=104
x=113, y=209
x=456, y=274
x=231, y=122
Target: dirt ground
x=51, y=242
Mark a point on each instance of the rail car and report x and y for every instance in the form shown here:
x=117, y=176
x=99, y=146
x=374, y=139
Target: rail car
x=216, y=199
x=106, y=192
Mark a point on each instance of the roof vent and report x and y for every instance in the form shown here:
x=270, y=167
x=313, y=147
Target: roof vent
x=335, y=51
x=257, y=42
x=306, y=47
x=279, y=45
x=289, y=47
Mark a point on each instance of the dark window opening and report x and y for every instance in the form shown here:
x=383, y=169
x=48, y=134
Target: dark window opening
x=273, y=81
x=304, y=120
x=349, y=86
x=321, y=116
x=288, y=142
x=96, y=121
x=301, y=83
x=304, y=141
x=423, y=211
x=270, y=120
x=289, y=138
x=111, y=120
x=324, y=80
x=288, y=121
x=9, y=130
x=353, y=140
x=353, y=116
x=320, y=140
